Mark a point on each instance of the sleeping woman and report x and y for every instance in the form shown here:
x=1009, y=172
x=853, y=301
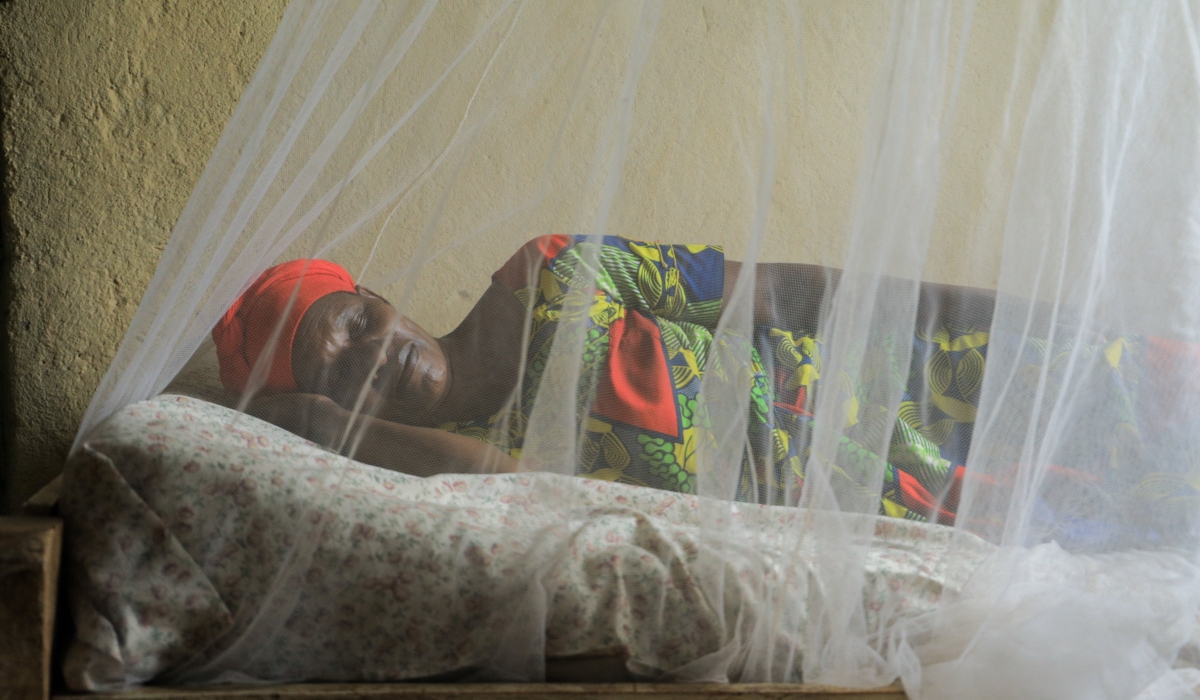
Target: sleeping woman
x=460, y=403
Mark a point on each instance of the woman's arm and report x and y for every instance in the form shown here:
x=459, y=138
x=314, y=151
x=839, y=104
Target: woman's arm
x=791, y=296
x=403, y=448
x=786, y=295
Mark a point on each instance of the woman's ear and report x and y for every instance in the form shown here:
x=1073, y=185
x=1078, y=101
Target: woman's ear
x=363, y=291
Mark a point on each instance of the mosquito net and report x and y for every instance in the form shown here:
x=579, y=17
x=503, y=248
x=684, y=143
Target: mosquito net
x=811, y=269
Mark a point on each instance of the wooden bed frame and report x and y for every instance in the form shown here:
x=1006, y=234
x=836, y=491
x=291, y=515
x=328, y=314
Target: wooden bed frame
x=30, y=608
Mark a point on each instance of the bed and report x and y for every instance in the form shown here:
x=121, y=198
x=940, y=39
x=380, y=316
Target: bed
x=157, y=587
x=180, y=510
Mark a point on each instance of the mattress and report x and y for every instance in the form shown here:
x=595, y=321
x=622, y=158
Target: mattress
x=206, y=545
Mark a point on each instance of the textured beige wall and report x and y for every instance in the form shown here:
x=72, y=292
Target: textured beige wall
x=690, y=169
x=110, y=110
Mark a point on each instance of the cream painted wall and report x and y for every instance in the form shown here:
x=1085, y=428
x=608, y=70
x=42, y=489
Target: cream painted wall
x=112, y=108
x=687, y=175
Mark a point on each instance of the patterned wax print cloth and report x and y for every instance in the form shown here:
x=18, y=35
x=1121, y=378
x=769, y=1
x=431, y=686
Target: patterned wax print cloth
x=651, y=314
x=649, y=329
x=1113, y=478
x=930, y=433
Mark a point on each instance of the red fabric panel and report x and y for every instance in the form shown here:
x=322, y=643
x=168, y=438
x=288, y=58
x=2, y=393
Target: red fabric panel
x=637, y=388
x=955, y=492
x=917, y=498
x=521, y=269
x=796, y=406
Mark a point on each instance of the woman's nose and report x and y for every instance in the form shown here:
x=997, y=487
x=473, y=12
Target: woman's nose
x=384, y=350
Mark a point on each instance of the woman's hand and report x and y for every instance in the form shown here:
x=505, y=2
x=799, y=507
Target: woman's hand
x=311, y=416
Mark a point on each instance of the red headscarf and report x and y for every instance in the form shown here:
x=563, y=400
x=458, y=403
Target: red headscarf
x=246, y=328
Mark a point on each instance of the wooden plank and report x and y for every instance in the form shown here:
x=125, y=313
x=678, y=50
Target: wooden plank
x=30, y=550
x=510, y=691
x=44, y=503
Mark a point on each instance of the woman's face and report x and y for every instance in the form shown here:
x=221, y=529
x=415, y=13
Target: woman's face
x=349, y=342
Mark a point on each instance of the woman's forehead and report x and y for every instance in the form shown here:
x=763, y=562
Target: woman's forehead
x=336, y=306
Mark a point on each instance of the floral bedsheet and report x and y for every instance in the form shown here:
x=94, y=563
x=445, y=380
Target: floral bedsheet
x=204, y=544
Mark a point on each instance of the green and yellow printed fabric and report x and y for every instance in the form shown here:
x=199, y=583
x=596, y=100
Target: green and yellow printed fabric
x=650, y=314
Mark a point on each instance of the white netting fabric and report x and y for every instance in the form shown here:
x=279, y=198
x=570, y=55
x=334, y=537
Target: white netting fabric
x=957, y=286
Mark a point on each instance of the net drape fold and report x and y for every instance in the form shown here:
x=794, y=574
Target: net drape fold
x=1049, y=152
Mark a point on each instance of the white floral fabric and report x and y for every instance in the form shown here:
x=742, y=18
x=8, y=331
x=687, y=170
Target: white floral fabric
x=204, y=544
